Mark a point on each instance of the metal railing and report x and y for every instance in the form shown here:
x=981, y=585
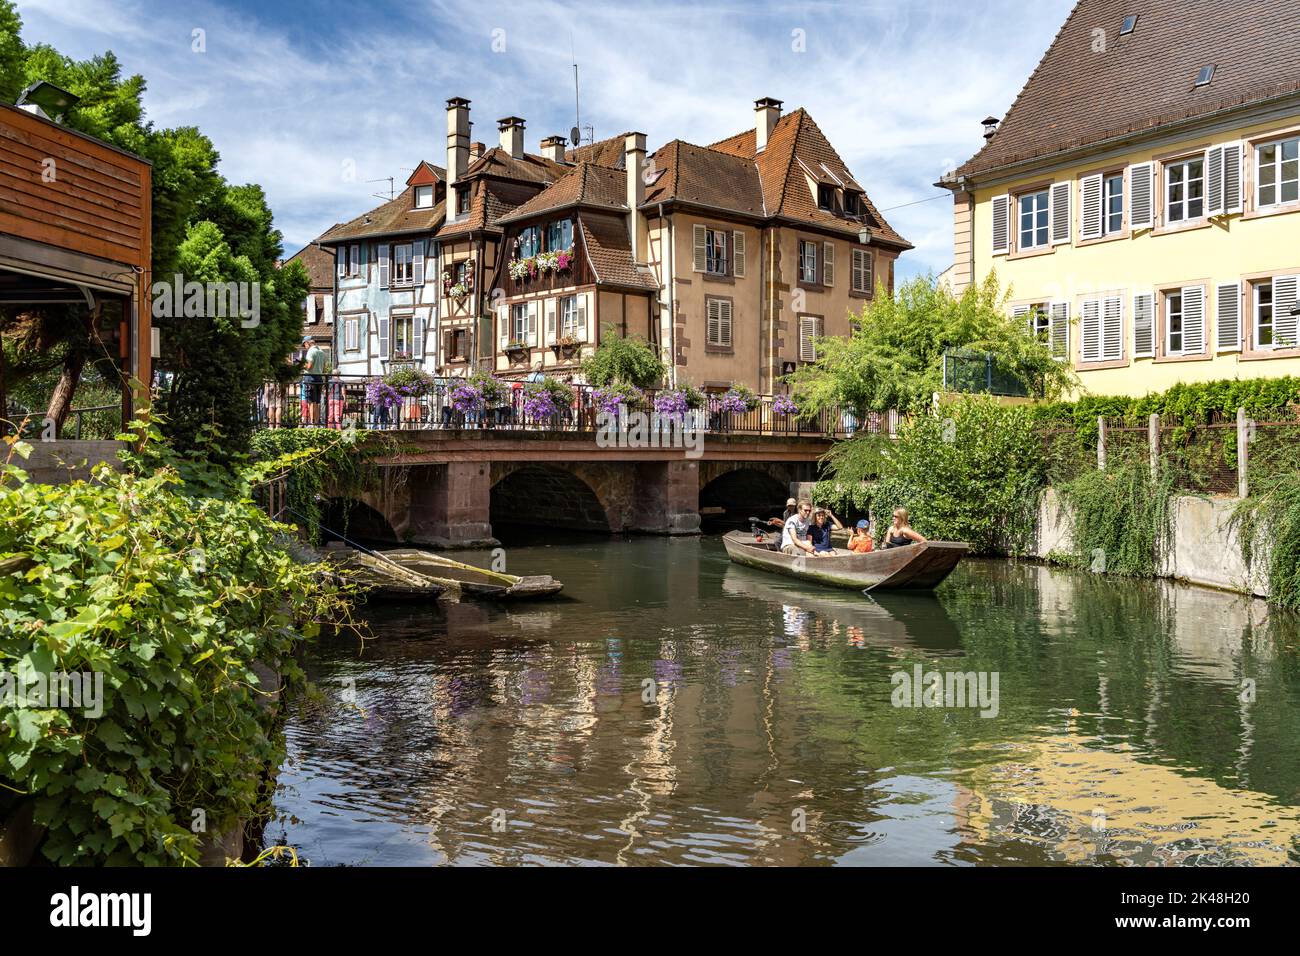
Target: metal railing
x=341, y=401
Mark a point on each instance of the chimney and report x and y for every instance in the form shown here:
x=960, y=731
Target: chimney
x=512, y=135
x=633, y=163
x=476, y=151
x=553, y=148
x=457, y=148
x=990, y=124
x=766, y=112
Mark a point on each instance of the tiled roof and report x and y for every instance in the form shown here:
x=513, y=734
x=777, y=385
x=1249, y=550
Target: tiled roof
x=528, y=168
x=605, y=152
x=1077, y=97
x=610, y=253
x=694, y=174
x=796, y=144
x=392, y=218
x=585, y=185
x=504, y=183
x=319, y=263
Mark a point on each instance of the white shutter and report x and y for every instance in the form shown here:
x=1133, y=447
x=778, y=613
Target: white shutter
x=1142, y=189
x=713, y=309
x=807, y=332
x=701, y=249
x=828, y=264
x=1285, y=331
x=1058, y=330
x=532, y=322
x=1022, y=312
x=505, y=323
x=1227, y=317
x=383, y=265
x=552, y=336
x=1144, y=325
x=1214, y=181
x=341, y=257
x=1001, y=206
x=1193, y=320
x=383, y=335
x=354, y=257
x=584, y=307
x=1112, y=329
x=1232, y=178
x=1090, y=225
x=309, y=306
x=1059, y=204
x=738, y=254
x=417, y=335
x=417, y=262
x=329, y=309
x=724, y=322
x=1090, y=332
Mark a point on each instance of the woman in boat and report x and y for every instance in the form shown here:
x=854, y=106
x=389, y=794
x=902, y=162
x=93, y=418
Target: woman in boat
x=900, y=533
x=819, y=532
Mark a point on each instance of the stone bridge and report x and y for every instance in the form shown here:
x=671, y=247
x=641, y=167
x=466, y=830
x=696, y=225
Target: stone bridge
x=448, y=488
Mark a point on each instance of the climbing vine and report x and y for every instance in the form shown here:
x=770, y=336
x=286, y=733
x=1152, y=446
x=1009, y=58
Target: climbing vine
x=1121, y=518
x=1268, y=523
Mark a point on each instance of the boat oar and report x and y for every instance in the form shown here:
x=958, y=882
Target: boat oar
x=509, y=579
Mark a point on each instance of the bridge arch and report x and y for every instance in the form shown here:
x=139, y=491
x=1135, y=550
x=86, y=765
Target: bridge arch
x=360, y=519
x=743, y=489
x=553, y=495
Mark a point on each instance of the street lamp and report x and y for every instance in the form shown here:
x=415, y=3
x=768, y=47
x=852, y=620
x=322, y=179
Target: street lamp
x=52, y=101
x=864, y=235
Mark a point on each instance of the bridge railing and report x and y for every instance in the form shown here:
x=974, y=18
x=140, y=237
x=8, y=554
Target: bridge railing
x=342, y=401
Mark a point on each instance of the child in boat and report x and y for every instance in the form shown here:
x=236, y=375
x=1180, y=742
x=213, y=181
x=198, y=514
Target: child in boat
x=861, y=542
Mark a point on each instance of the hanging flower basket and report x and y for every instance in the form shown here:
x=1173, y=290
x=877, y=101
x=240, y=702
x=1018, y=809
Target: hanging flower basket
x=784, y=405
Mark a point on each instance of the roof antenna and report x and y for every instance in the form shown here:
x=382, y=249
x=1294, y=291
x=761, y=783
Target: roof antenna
x=391, y=192
x=575, y=134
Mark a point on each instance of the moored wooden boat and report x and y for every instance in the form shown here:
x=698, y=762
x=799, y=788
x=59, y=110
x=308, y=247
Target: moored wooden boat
x=917, y=567
x=384, y=580
x=474, y=582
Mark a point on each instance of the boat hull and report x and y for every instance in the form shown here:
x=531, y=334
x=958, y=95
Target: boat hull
x=917, y=567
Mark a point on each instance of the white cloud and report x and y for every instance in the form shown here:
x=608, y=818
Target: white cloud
x=898, y=87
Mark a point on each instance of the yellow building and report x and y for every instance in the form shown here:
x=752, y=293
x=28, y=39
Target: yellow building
x=1141, y=198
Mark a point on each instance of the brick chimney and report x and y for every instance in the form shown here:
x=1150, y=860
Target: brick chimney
x=766, y=112
x=457, y=148
x=512, y=135
x=553, y=148
x=633, y=163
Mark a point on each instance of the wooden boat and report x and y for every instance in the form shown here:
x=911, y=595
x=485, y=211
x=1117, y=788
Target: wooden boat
x=917, y=567
x=384, y=580
x=474, y=582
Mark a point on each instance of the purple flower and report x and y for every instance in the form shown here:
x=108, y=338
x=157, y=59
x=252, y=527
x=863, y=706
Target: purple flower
x=784, y=405
x=671, y=403
x=466, y=398
x=731, y=402
x=540, y=404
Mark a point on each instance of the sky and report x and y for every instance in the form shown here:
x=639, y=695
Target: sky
x=321, y=101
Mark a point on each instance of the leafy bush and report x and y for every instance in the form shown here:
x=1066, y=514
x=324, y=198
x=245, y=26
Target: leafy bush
x=1121, y=518
x=174, y=597
x=1268, y=522
x=628, y=361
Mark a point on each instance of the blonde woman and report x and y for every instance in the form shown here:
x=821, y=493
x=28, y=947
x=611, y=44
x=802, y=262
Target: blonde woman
x=900, y=534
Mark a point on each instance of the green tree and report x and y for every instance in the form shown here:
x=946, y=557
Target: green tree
x=893, y=358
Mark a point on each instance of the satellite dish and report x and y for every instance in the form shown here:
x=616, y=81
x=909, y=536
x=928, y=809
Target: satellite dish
x=575, y=136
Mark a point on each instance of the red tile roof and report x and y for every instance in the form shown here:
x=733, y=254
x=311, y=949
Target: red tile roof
x=606, y=152
x=609, y=251
x=586, y=185
x=319, y=263
x=1077, y=98
x=397, y=217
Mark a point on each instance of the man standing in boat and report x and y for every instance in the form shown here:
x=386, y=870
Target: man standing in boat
x=794, y=537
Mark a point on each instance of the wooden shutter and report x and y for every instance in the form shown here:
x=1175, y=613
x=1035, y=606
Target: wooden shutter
x=552, y=336
x=383, y=335
x=1214, y=181
x=417, y=335
x=1090, y=332
x=584, y=307
x=1193, y=320
x=701, y=249
x=828, y=264
x=1142, y=189
x=1144, y=325
x=807, y=334
x=1232, y=178
x=383, y=265
x=1112, y=328
x=713, y=318
x=1090, y=222
x=1059, y=203
x=1001, y=224
x=1285, y=331
x=1227, y=317
x=1058, y=330
x=738, y=254
x=417, y=262
x=724, y=322
x=532, y=322
x=309, y=307
x=327, y=301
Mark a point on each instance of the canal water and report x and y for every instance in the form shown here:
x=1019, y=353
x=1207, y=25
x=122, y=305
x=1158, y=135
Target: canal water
x=676, y=709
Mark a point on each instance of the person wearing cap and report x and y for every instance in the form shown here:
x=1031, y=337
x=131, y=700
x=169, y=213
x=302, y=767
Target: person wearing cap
x=314, y=366
x=820, y=531
x=860, y=541
x=791, y=509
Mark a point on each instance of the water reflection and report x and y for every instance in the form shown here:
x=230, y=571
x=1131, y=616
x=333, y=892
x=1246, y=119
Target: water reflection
x=677, y=709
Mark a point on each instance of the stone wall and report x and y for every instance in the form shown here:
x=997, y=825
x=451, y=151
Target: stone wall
x=58, y=462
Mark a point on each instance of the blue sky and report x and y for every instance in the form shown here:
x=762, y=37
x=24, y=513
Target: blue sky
x=298, y=94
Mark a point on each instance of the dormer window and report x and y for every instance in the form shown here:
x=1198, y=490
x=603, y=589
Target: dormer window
x=852, y=205
x=462, y=200
x=825, y=196
x=423, y=197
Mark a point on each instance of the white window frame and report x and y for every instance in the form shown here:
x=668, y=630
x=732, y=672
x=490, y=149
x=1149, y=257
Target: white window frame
x=403, y=323
x=863, y=272
x=403, y=265
x=519, y=322
x=567, y=313
x=1278, y=181
x=352, y=334
x=1044, y=213
x=1185, y=204
x=715, y=252
x=808, y=266
x=1167, y=322
x=423, y=197
x=1107, y=194
x=1256, y=308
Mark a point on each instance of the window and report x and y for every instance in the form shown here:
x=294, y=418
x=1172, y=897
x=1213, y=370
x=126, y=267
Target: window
x=1112, y=198
x=825, y=196
x=1185, y=190
x=559, y=235
x=1276, y=326
x=423, y=197
x=852, y=204
x=352, y=335
x=1174, y=323
x=354, y=261
x=1040, y=324
x=716, y=252
x=810, y=328
x=1264, y=315
x=862, y=273
x=403, y=337
x=1129, y=25
x=1205, y=76
x=461, y=273
x=1034, y=220
x=569, y=317
x=457, y=345
x=403, y=265
x=808, y=261
x=719, y=322
x=530, y=242
x=462, y=200
x=519, y=322
x=1278, y=173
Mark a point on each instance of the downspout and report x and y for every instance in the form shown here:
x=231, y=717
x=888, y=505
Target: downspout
x=671, y=282
x=772, y=311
